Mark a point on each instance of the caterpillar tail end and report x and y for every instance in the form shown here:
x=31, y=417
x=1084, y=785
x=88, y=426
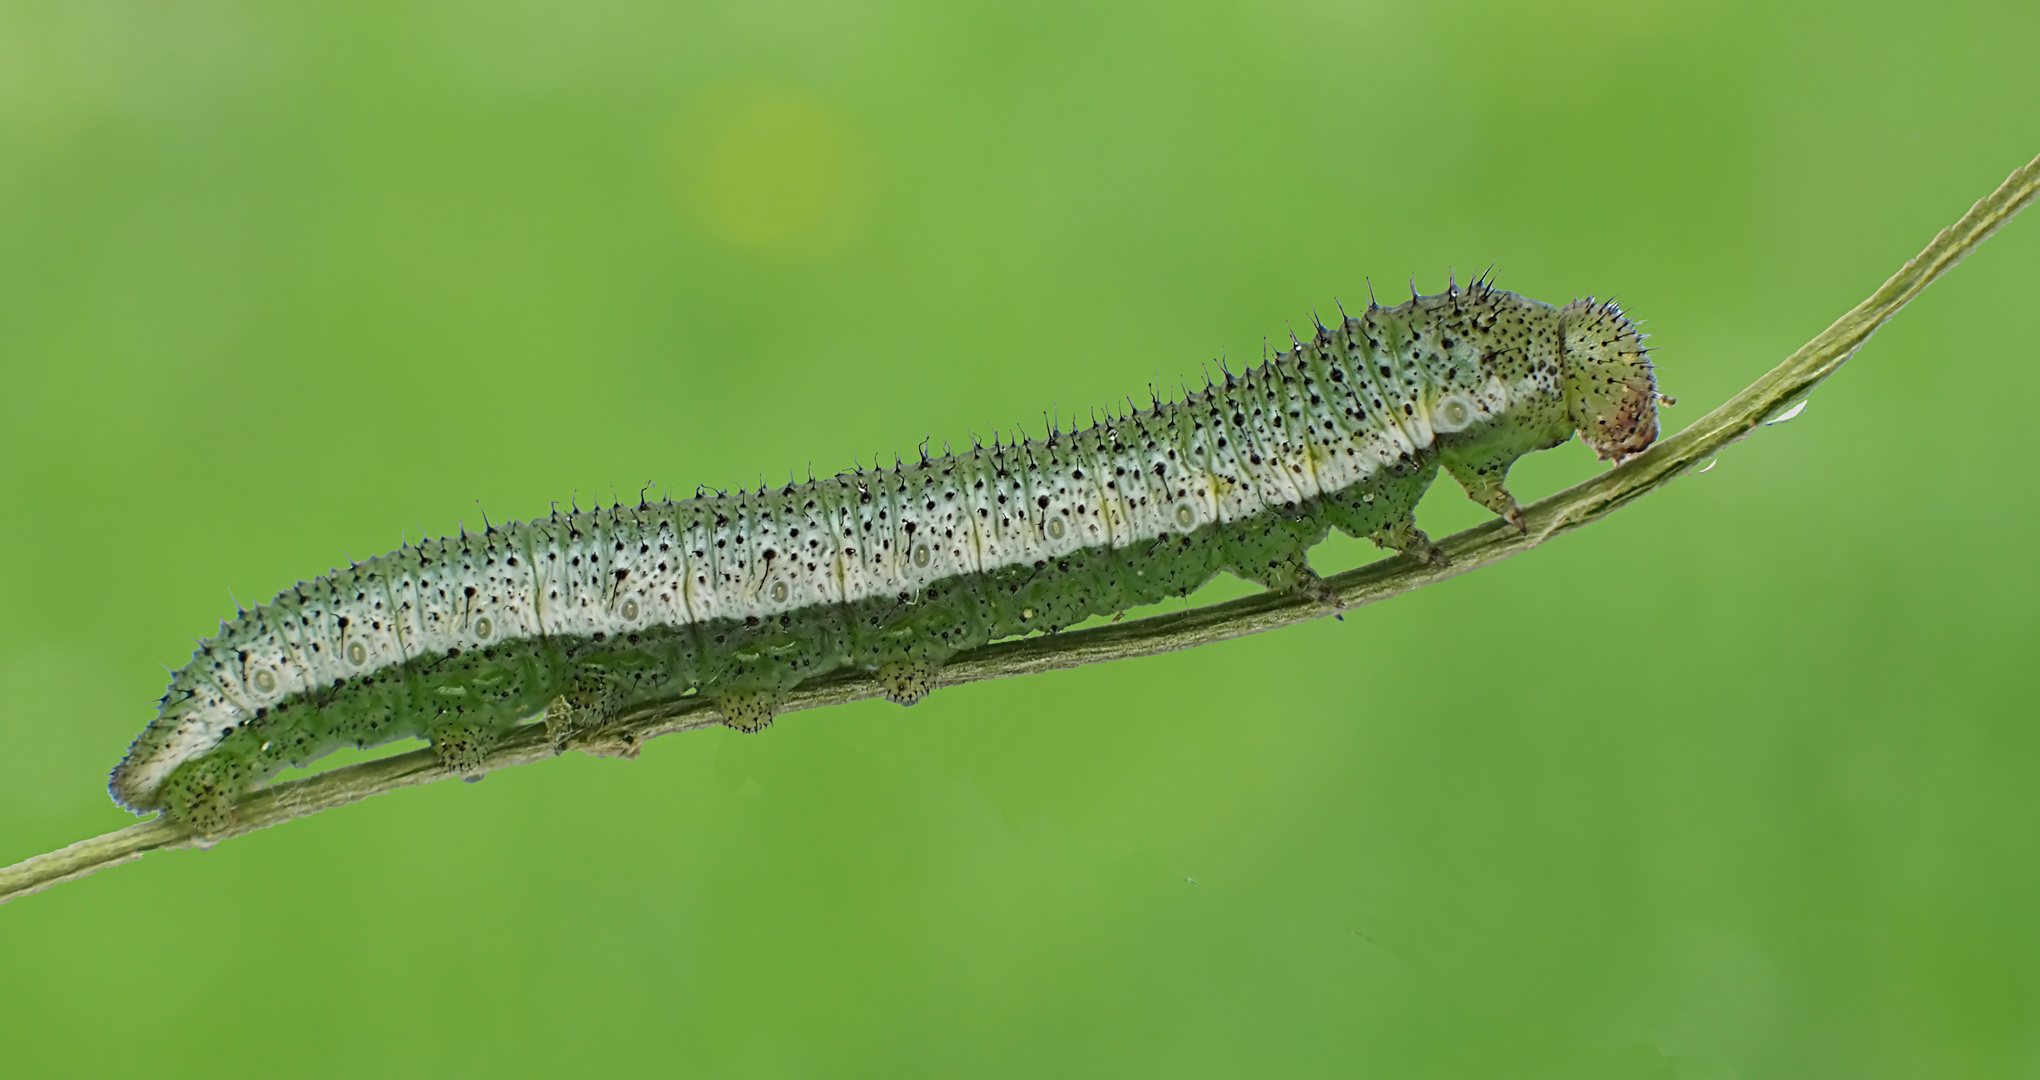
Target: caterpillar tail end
x=1610, y=388
x=126, y=793
x=137, y=783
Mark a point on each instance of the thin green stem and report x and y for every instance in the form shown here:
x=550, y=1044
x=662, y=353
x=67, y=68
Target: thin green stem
x=1490, y=543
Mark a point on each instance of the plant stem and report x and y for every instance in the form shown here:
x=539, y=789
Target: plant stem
x=1470, y=550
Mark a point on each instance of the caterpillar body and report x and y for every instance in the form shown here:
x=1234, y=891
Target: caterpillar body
x=571, y=618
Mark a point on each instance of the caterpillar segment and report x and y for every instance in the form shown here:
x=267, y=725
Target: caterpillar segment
x=574, y=618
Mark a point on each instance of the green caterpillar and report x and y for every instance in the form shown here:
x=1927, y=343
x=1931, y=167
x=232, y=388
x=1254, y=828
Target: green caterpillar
x=575, y=617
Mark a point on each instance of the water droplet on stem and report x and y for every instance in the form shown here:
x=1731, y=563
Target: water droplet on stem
x=1787, y=414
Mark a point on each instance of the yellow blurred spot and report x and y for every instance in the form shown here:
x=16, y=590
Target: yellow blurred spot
x=779, y=173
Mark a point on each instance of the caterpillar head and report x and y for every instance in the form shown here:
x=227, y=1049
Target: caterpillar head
x=1610, y=391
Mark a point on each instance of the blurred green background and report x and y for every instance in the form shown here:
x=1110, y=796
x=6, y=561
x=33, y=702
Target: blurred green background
x=1739, y=783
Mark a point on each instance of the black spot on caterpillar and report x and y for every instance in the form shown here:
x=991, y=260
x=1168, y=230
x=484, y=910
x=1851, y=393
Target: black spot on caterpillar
x=572, y=617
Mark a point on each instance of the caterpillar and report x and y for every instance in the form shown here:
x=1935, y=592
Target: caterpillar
x=570, y=619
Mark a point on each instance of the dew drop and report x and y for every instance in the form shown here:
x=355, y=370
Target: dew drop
x=483, y=627
x=921, y=555
x=265, y=681
x=630, y=610
x=1787, y=414
x=1055, y=528
x=1185, y=516
x=357, y=653
x=779, y=590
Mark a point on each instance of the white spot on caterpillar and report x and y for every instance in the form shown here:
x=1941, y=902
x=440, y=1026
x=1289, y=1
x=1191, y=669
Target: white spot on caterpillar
x=1453, y=413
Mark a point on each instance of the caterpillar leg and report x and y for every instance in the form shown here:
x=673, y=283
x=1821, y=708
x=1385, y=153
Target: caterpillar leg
x=1402, y=535
x=1290, y=571
x=748, y=710
x=1295, y=574
x=1484, y=485
x=201, y=793
x=589, y=703
x=1276, y=555
x=463, y=748
x=560, y=724
x=905, y=682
